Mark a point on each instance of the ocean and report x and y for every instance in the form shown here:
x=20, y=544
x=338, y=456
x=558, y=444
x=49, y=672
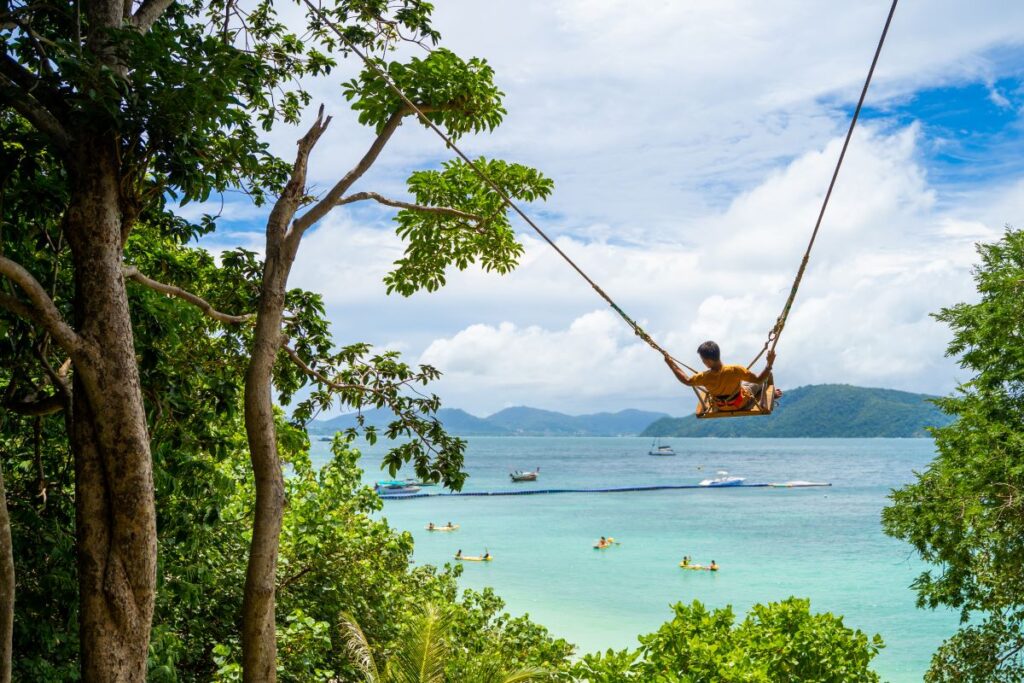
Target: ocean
x=825, y=544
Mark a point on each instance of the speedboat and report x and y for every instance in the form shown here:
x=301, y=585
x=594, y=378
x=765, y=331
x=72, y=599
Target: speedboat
x=723, y=479
x=394, y=487
x=520, y=475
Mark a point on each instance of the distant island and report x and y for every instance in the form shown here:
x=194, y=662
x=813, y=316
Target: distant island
x=518, y=421
x=823, y=410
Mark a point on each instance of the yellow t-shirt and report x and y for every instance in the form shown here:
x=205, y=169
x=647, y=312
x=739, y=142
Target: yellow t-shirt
x=724, y=382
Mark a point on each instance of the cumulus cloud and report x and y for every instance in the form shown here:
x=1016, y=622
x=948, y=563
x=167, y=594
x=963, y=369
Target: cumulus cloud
x=886, y=259
x=690, y=144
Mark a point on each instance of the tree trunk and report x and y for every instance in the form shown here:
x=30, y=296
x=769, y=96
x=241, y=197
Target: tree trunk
x=6, y=585
x=114, y=499
x=259, y=633
x=259, y=628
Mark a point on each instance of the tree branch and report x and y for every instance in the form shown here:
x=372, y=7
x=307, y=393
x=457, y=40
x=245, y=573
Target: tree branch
x=319, y=376
x=17, y=307
x=441, y=210
x=336, y=386
x=288, y=203
x=132, y=273
x=58, y=377
x=37, y=407
x=16, y=87
x=324, y=206
x=40, y=308
x=149, y=12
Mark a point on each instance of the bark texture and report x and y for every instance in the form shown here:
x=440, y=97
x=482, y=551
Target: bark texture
x=259, y=643
x=259, y=628
x=115, y=506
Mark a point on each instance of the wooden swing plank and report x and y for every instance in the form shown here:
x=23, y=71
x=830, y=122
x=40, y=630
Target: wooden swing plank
x=705, y=412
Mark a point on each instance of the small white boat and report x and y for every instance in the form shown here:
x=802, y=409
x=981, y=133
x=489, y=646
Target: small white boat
x=392, y=488
x=520, y=475
x=798, y=484
x=723, y=479
x=657, y=448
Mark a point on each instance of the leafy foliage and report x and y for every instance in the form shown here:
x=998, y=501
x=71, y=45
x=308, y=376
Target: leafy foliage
x=424, y=654
x=435, y=242
x=965, y=512
x=777, y=643
x=458, y=95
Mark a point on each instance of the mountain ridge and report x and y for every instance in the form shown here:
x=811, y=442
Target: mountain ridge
x=812, y=411
x=514, y=421
x=822, y=411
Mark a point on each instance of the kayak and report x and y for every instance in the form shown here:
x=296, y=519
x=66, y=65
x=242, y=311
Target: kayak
x=474, y=558
x=608, y=544
x=453, y=527
x=697, y=567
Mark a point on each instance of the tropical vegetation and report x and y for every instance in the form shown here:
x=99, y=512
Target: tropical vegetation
x=965, y=513
x=160, y=518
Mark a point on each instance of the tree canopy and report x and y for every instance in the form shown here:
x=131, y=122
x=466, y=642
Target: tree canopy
x=964, y=513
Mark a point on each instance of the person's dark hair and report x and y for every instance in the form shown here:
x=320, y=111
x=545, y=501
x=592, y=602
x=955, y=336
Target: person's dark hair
x=709, y=350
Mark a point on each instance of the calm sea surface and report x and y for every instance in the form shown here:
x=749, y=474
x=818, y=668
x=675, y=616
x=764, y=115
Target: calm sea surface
x=824, y=544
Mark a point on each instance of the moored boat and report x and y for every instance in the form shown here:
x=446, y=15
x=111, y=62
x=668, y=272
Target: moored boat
x=521, y=475
x=723, y=479
x=394, y=487
x=657, y=448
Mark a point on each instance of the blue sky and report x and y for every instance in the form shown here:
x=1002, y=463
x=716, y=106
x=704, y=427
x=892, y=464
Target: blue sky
x=690, y=144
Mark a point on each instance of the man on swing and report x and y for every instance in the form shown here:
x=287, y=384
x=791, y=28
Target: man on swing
x=729, y=387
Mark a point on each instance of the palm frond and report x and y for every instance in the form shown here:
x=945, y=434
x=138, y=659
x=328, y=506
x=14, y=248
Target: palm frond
x=492, y=672
x=529, y=673
x=358, y=647
x=422, y=655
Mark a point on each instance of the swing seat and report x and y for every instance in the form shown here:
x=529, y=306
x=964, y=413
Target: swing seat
x=706, y=406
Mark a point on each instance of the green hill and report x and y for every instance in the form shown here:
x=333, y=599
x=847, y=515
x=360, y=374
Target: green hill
x=519, y=421
x=822, y=410
x=525, y=421
x=455, y=421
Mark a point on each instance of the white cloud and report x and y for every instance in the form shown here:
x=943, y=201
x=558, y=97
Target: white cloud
x=662, y=111
x=690, y=144
x=887, y=258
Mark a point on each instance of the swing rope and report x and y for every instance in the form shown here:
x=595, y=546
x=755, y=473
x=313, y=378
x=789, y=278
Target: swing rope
x=773, y=336
x=780, y=323
x=639, y=331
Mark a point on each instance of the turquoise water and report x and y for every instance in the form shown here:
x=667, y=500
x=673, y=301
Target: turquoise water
x=824, y=544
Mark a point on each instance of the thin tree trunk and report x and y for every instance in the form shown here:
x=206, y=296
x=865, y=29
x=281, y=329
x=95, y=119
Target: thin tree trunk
x=6, y=585
x=259, y=627
x=259, y=634
x=114, y=498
